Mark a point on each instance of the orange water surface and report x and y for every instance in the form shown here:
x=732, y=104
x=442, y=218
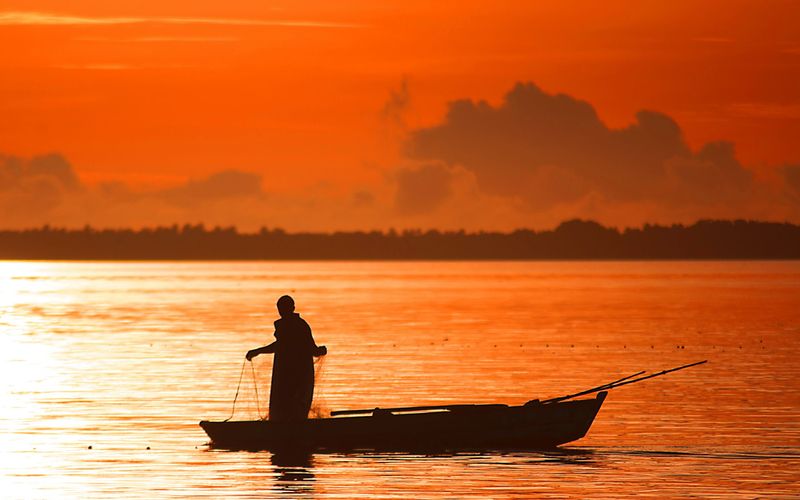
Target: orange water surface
x=126, y=358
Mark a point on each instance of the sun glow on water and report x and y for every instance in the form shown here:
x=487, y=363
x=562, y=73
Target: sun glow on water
x=29, y=370
x=24, y=363
x=125, y=358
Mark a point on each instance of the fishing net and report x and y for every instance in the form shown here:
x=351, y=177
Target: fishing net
x=251, y=401
x=319, y=406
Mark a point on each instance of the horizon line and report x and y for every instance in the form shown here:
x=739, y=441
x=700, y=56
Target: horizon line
x=390, y=230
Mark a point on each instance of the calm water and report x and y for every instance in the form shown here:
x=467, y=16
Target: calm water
x=126, y=356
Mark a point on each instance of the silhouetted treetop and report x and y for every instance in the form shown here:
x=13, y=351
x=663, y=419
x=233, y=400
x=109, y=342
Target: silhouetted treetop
x=572, y=239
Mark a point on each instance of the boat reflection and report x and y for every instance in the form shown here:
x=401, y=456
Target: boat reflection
x=293, y=473
x=567, y=456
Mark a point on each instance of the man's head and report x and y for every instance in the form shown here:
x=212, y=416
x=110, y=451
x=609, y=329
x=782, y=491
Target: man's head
x=285, y=306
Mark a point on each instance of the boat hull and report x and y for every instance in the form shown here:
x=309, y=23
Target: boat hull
x=532, y=426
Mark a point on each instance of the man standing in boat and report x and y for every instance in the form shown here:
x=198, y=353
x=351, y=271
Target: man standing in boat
x=292, y=388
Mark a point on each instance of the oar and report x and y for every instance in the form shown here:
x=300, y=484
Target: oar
x=415, y=408
x=663, y=372
x=609, y=385
x=620, y=384
x=593, y=389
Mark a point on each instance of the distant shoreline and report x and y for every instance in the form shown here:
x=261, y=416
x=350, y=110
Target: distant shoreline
x=572, y=240
x=399, y=260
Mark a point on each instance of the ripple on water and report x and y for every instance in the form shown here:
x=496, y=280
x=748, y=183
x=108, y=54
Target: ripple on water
x=122, y=357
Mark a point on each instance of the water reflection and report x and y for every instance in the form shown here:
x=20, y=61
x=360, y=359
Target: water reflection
x=123, y=356
x=570, y=456
x=294, y=472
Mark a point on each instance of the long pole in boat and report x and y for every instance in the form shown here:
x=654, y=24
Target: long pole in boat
x=606, y=386
x=453, y=406
x=415, y=408
x=614, y=385
x=602, y=387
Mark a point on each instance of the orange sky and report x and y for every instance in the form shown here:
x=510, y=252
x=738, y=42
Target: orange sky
x=154, y=93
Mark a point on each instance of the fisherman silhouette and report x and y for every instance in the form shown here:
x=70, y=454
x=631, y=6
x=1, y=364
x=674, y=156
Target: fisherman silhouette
x=292, y=386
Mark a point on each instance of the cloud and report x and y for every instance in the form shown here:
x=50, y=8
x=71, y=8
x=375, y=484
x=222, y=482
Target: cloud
x=219, y=186
x=96, y=67
x=36, y=184
x=51, y=165
x=713, y=173
x=553, y=153
x=159, y=39
x=46, y=190
x=791, y=174
x=422, y=189
x=15, y=172
x=765, y=110
x=533, y=160
x=54, y=19
x=508, y=146
x=363, y=198
x=397, y=104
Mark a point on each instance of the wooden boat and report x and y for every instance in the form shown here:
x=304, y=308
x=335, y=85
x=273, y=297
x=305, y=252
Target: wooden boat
x=534, y=425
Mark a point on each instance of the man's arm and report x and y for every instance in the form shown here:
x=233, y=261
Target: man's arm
x=316, y=350
x=252, y=353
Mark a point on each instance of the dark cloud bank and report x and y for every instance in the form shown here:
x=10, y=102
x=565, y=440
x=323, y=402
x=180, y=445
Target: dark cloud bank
x=534, y=160
x=46, y=190
x=551, y=153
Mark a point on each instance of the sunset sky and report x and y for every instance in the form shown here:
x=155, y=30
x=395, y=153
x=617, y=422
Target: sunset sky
x=344, y=115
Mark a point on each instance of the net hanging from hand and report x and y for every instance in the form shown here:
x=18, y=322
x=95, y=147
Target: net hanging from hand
x=251, y=400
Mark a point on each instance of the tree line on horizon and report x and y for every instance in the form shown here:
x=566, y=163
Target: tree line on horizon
x=573, y=239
